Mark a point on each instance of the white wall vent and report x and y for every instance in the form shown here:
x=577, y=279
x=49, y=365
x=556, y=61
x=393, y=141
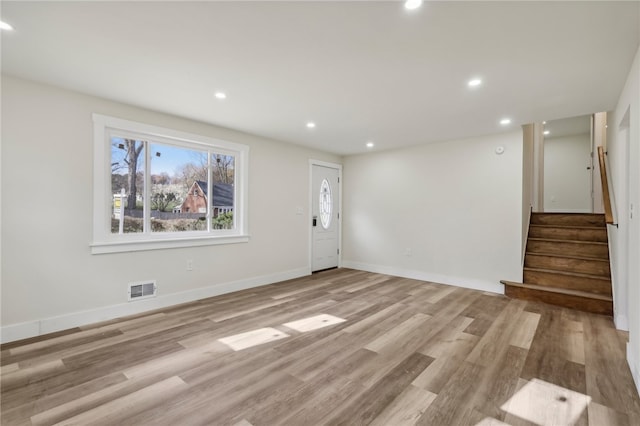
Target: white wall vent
x=142, y=290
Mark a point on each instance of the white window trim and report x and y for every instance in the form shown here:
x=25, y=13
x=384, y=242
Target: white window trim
x=106, y=242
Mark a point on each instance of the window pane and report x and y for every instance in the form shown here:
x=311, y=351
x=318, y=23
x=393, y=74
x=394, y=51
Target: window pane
x=223, y=200
x=127, y=185
x=325, y=204
x=179, y=190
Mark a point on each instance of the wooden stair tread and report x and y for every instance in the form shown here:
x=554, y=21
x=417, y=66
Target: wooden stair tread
x=543, y=225
x=578, y=293
x=555, y=240
x=568, y=215
x=599, y=259
x=568, y=273
x=565, y=214
x=575, y=219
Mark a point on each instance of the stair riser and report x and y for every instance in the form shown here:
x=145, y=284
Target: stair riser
x=575, y=219
x=558, y=233
x=600, y=251
x=549, y=279
x=593, y=267
x=574, y=302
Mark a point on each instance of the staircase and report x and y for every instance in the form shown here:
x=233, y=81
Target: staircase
x=566, y=263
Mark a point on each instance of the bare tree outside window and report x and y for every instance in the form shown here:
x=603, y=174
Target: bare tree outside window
x=127, y=171
x=223, y=168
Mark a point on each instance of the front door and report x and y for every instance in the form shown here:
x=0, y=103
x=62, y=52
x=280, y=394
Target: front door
x=325, y=217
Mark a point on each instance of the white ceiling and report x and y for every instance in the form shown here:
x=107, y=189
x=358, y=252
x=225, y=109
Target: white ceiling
x=361, y=70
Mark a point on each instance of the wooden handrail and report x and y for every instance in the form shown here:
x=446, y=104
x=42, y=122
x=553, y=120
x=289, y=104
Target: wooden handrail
x=606, y=198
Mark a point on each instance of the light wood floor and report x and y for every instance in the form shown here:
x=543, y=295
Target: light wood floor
x=408, y=352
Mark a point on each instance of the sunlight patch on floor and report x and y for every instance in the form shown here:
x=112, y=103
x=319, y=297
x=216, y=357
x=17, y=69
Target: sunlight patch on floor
x=253, y=338
x=545, y=404
x=314, y=323
x=490, y=421
x=265, y=335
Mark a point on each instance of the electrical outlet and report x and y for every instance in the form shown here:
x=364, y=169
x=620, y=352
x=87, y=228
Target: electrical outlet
x=189, y=264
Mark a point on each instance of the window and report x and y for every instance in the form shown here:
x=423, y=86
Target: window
x=160, y=188
x=325, y=204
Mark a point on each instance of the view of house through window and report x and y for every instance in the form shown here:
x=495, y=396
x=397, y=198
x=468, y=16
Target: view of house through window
x=158, y=187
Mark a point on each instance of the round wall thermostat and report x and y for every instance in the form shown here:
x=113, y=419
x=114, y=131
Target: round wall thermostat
x=499, y=150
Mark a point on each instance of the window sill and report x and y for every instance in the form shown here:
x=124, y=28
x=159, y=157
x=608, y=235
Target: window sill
x=165, y=243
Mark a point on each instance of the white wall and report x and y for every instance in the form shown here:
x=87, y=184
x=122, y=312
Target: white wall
x=567, y=181
x=528, y=176
x=623, y=148
x=538, y=167
x=50, y=281
x=448, y=212
x=599, y=123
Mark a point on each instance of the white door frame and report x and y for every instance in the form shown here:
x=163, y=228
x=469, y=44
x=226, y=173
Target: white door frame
x=338, y=167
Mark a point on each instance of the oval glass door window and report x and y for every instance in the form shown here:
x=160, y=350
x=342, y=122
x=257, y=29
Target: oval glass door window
x=325, y=204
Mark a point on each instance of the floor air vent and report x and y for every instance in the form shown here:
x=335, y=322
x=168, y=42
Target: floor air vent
x=142, y=290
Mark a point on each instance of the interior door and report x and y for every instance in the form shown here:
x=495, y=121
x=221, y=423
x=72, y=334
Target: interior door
x=567, y=174
x=325, y=217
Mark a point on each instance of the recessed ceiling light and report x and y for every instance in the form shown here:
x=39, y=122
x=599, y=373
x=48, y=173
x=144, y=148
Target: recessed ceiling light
x=311, y=125
x=546, y=132
x=505, y=121
x=474, y=83
x=221, y=95
x=5, y=26
x=369, y=144
x=412, y=4
x=544, y=122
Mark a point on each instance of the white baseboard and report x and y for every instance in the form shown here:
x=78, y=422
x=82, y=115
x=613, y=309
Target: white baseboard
x=526, y=236
x=634, y=367
x=621, y=322
x=25, y=330
x=426, y=276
